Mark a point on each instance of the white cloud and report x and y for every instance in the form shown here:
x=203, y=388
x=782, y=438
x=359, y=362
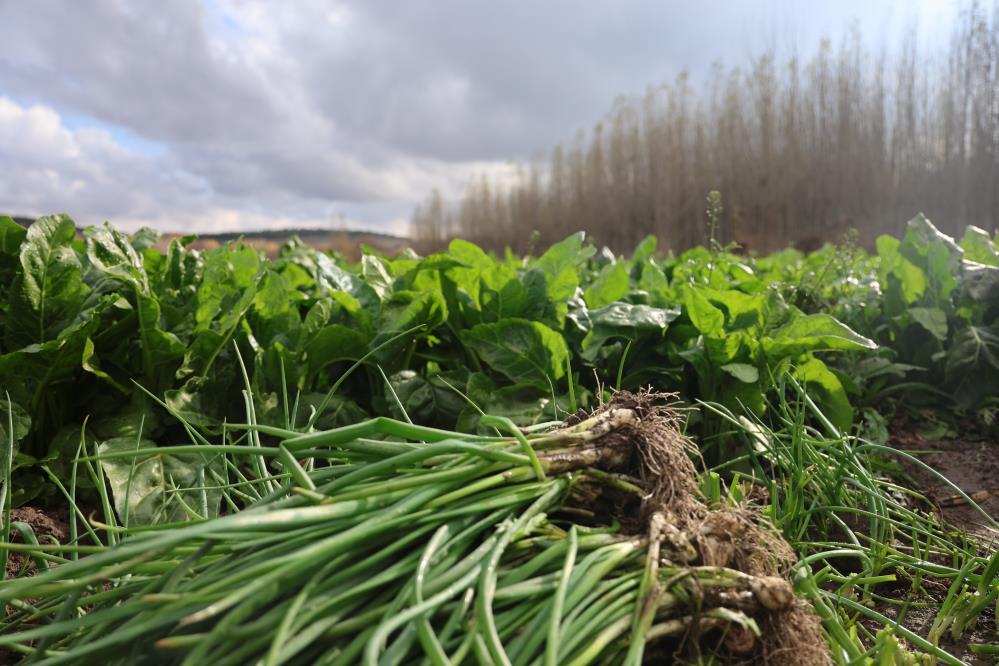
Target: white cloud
x=273, y=114
x=87, y=173
x=49, y=168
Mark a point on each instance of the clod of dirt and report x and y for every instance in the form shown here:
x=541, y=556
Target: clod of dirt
x=43, y=524
x=736, y=538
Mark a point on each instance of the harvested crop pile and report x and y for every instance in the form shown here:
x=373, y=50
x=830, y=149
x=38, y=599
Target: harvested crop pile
x=584, y=544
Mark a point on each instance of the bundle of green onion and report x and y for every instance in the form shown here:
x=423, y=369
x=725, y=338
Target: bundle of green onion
x=387, y=543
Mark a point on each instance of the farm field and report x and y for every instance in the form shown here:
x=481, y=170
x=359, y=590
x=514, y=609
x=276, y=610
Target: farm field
x=212, y=456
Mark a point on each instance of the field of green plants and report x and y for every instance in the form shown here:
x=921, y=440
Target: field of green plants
x=571, y=458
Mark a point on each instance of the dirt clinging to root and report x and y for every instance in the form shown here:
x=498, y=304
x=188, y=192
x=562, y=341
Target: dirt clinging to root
x=735, y=538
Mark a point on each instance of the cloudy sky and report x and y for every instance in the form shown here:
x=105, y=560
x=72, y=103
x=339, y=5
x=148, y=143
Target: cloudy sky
x=223, y=115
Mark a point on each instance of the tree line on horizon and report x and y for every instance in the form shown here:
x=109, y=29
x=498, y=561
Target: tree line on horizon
x=801, y=149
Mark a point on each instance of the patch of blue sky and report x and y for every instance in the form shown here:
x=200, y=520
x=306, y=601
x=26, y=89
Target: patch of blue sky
x=221, y=23
x=123, y=136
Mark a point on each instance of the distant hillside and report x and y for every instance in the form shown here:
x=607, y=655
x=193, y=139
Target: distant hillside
x=346, y=242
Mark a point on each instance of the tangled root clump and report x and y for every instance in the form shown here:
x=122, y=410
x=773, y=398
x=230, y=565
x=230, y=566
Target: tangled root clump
x=729, y=537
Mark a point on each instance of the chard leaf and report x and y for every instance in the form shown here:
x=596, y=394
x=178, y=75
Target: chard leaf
x=559, y=263
x=827, y=391
x=708, y=319
x=48, y=293
x=91, y=364
x=744, y=372
x=624, y=320
x=403, y=311
x=330, y=277
x=610, y=285
x=972, y=365
x=376, y=275
x=152, y=489
x=644, y=250
x=933, y=320
x=526, y=352
x=334, y=343
x=12, y=235
x=814, y=332
x=427, y=401
x=741, y=310
x=12, y=412
x=902, y=281
x=979, y=247
x=110, y=252
x=981, y=283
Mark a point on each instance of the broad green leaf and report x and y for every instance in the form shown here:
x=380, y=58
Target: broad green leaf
x=610, y=285
x=425, y=401
x=524, y=405
x=91, y=364
x=979, y=247
x=275, y=298
x=334, y=343
x=827, y=391
x=275, y=309
x=405, y=310
x=815, y=332
x=12, y=235
x=526, y=352
x=330, y=277
x=317, y=317
x=729, y=348
x=510, y=300
x=936, y=253
x=981, y=283
x=340, y=411
x=921, y=234
x=227, y=291
x=151, y=488
x=560, y=263
x=110, y=252
x=48, y=293
x=654, y=281
x=12, y=412
x=230, y=278
x=34, y=374
x=972, y=366
x=741, y=310
x=644, y=250
x=137, y=418
x=476, y=266
x=161, y=350
x=624, y=320
x=898, y=274
x=708, y=319
x=144, y=239
x=933, y=320
x=567, y=253
x=376, y=275
x=742, y=371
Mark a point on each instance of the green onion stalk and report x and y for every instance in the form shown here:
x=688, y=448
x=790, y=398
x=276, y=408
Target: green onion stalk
x=386, y=543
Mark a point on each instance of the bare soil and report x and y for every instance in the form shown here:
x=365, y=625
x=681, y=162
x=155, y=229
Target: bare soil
x=44, y=523
x=969, y=462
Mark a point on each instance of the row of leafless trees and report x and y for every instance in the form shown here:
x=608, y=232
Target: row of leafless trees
x=801, y=149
